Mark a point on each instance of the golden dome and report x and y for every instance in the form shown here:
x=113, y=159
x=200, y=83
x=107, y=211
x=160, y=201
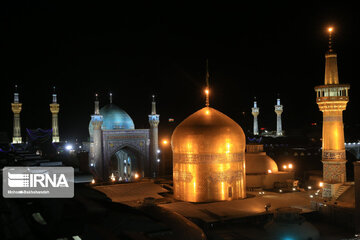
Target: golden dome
x=208, y=131
x=208, y=158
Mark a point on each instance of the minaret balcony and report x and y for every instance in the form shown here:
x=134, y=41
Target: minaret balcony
x=16, y=107
x=278, y=108
x=54, y=107
x=332, y=92
x=333, y=99
x=97, y=121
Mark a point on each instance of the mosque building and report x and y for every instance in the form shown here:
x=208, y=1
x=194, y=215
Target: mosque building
x=332, y=98
x=119, y=150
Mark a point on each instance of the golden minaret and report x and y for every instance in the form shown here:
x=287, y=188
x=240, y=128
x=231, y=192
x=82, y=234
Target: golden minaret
x=54, y=109
x=16, y=108
x=332, y=98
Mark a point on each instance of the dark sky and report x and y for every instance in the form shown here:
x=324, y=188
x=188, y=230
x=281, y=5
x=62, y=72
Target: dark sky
x=135, y=51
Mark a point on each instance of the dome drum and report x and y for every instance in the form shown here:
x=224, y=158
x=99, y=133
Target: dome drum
x=206, y=180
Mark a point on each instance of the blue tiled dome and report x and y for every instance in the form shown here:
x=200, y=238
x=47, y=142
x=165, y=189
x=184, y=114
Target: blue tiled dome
x=114, y=118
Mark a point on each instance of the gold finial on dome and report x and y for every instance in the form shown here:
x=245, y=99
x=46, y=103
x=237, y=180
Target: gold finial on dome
x=207, y=90
x=330, y=30
x=207, y=97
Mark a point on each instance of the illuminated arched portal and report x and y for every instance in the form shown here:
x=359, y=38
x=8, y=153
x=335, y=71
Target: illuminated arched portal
x=124, y=164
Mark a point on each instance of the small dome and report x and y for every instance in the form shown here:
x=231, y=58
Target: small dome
x=257, y=162
x=208, y=158
x=208, y=131
x=289, y=224
x=114, y=118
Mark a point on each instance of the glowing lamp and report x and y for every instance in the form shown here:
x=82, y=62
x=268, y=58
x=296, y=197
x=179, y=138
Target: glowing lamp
x=165, y=142
x=330, y=29
x=112, y=177
x=269, y=171
x=69, y=147
x=93, y=181
x=284, y=167
x=207, y=91
x=321, y=184
x=290, y=166
x=136, y=175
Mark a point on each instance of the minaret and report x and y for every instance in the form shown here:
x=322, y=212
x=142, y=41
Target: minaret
x=332, y=98
x=54, y=109
x=16, y=108
x=154, y=120
x=96, y=163
x=255, y=113
x=278, y=110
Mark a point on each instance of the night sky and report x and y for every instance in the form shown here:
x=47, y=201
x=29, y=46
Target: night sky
x=136, y=51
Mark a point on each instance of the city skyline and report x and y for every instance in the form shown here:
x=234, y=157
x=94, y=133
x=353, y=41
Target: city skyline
x=252, y=52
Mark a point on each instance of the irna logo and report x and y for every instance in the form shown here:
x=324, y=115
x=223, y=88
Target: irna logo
x=36, y=180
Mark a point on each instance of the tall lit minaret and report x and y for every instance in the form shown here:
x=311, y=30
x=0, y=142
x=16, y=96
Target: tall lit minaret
x=332, y=98
x=278, y=110
x=255, y=113
x=154, y=120
x=54, y=109
x=96, y=163
x=16, y=108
